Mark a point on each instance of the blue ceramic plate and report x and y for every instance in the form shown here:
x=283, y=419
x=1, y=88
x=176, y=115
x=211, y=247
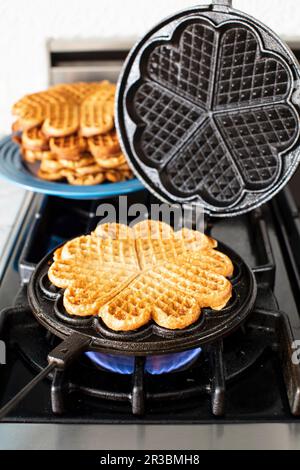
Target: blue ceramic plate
x=12, y=168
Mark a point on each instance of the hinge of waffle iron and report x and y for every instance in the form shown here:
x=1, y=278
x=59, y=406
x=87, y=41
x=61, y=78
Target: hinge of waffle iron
x=221, y=5
x=227, y=3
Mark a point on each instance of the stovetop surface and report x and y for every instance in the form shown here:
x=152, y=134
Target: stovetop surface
x=257, y=369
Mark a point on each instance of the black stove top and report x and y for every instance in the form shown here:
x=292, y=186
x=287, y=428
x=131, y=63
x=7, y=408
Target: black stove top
x=249, y=377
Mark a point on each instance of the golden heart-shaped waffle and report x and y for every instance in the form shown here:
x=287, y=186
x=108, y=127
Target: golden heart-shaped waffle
x=77, y=91
x=62, y=119
x=83, y=161
x=34, y=139
x=54, y=124
x=29, y=156
x=89, y=170
x=16, y=126
x=50, y=163
x=32, y=156
x=129, y=276
x=86, y=180
x=111, y=162
x=32, y=110
x=68, y=147
x=104, y=145
x=117, y=176
x=61, y=110
x=84, y=172
x=97, y=111
x=53, y=175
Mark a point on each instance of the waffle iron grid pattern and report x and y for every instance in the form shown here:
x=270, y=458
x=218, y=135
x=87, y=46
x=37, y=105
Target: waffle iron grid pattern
x=195, y=59
x=212, y=114
x=244, y=79
x=170, y=121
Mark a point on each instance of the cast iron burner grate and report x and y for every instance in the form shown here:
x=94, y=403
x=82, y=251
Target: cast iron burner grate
x=217, y=367
x=246, y=376
x=215, y=370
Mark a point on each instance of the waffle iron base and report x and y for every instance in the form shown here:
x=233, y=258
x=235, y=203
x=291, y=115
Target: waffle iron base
x=46, y=302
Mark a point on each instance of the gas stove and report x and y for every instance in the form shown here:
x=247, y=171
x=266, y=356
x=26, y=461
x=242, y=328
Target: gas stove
x=250, y=380
x=239, y=392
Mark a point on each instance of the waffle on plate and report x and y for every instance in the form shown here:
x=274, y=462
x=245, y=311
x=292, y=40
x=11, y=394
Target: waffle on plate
x=71, y=123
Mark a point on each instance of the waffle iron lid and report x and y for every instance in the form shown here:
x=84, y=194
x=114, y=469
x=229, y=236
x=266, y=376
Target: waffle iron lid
x=207, y=110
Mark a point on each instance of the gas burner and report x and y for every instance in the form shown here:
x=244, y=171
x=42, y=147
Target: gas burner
x=154, y=365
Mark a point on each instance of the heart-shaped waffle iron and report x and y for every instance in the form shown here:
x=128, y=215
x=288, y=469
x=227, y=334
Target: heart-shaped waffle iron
x=47, y=305
x=208, y=112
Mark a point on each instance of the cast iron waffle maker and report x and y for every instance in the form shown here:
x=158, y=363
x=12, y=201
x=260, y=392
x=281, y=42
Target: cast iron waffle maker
x=207, y=114
x=208, y=110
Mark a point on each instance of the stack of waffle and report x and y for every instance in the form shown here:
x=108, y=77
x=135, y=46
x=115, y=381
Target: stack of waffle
x=70, y=130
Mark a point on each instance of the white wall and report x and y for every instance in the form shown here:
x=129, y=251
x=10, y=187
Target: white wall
x=26, y=24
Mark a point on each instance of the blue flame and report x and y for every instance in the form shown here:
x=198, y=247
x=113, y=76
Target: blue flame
x=154, y=365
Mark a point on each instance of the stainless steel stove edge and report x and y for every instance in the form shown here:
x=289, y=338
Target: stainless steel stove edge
x=269, y=436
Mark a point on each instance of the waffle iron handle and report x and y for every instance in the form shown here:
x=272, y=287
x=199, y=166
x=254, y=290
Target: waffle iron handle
x=68, y=350
x=59, y=358
x=227, y=3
